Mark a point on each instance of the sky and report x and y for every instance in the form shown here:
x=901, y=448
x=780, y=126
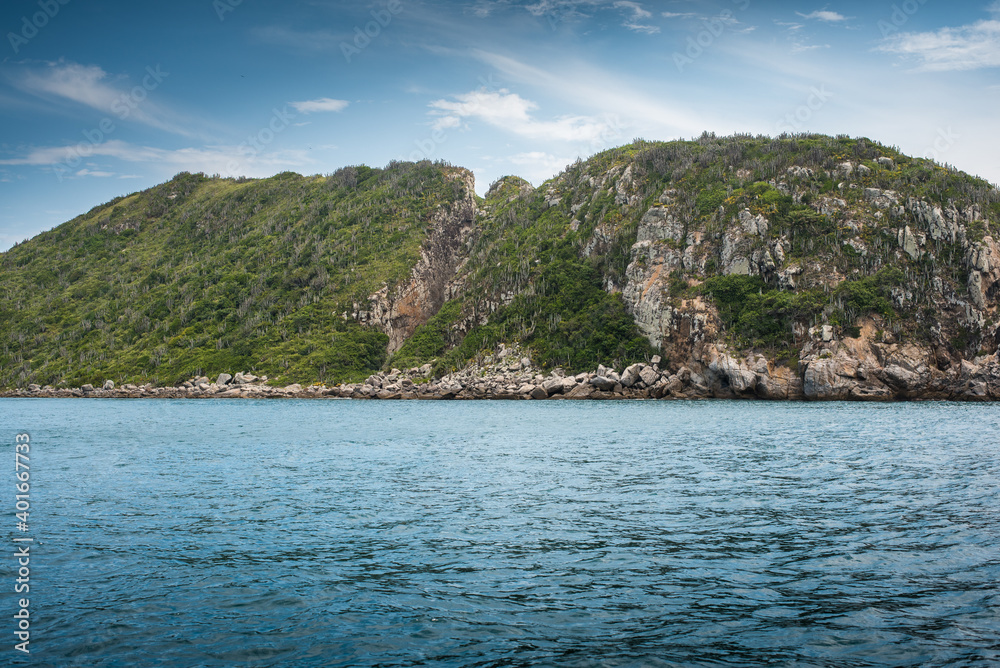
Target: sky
x=101, y=98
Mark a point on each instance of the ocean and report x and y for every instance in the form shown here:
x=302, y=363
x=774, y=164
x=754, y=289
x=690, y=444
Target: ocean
x=366, y=533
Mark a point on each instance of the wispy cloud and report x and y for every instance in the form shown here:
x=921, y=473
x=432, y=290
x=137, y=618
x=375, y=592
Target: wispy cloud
x=798, y=47
x=509, y=111
x=638, y=27
x=636, y=15
x=824, y=15
x=599, y=89
x=679, y=15
x=970, y=47
x=319, y=105
x=538, y=166
x=792, y=27
x=635, y=8
x=224, y=160
x=88, y=85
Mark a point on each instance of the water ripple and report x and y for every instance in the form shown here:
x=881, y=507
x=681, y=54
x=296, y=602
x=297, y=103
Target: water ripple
x=242, y=533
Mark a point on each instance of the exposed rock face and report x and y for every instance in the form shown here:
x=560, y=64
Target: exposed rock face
x=398, y=312
x=852, y=369
x=673, y=241
x=655, y=233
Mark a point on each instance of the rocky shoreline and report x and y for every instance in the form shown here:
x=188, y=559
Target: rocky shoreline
x=829, y=372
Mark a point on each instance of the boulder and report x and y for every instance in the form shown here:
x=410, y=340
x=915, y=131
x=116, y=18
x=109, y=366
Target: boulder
x=603, y=383
x=649, y=376
x=108, y=385
x=553, y=386
x=830, y=378
x=630, y=375
x=223, y=379
x=87, y=389
x=538, y=393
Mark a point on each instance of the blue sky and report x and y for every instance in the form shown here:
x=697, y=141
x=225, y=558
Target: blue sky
x=100, y=98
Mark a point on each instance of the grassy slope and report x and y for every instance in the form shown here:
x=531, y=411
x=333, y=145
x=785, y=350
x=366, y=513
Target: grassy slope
x=206, y=275
x=203, y=275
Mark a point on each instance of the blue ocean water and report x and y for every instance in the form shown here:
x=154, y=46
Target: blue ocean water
x=340, y=533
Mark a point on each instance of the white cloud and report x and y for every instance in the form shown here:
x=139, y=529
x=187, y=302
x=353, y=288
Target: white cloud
x=447, y=122
x=798, y=47
x=89, y=172
x=510, y=112
x=538, y=166
x=679, y=15
x=964, y=48
x=645, y=29
x=225, y=160
x=824, y=15
x=87, y=85
x=637, y=11
x=610, y=92
x=637, y=14
x=555, y=10
x=80, y=83
x=322, y=104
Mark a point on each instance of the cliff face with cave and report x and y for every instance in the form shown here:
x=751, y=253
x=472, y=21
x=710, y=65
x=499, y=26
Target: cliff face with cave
x=796, y=267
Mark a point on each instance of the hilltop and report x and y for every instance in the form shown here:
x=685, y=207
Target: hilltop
x=799, y=266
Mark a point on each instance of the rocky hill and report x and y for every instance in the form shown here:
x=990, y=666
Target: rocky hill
x=805, y=266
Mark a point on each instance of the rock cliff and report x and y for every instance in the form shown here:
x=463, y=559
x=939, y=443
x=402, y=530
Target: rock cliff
x=798, y=267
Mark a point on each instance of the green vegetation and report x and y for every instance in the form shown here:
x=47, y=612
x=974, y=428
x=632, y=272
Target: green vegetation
x=762, y=316
x=758, y=315
x=567, y=320
x=430, y=340
x=203, y=275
